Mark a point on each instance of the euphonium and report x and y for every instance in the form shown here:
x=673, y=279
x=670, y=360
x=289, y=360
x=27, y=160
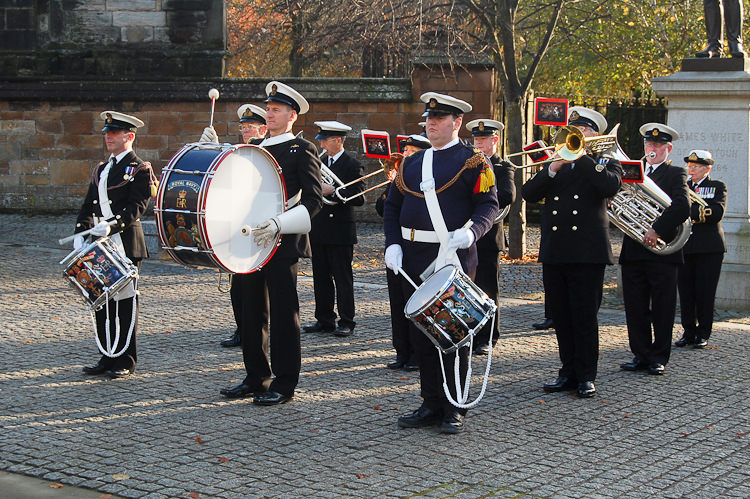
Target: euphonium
x=636, y=206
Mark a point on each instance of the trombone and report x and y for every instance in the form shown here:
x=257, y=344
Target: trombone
x=330, y=178
x=570, y=144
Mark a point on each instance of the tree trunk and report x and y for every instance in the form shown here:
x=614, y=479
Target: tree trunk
x=515, y=126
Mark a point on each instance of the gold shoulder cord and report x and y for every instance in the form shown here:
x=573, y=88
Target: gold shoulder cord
x=473, y=162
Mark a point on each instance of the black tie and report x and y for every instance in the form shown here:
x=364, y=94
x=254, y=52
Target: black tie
x=330, y=161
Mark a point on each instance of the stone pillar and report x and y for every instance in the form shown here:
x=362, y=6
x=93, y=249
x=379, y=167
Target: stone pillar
x=709, y=104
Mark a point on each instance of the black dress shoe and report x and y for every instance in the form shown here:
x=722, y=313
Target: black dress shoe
x=452, y=423
x=396, y=364
x=656, y=368
x=710, y=51
x=343, y=331
x=545, y=324
x=119, y=373
x=317, y=327
x=411, y=366
x=586, y=389
x=635, y=365
x=684, y=341
x=95, y=370
x=420, y=418
x=700, y=343
x=270, y=398
x=232, y=341
x=241, y=390
x=482, y=350
x=561, y=384
x=735, y=50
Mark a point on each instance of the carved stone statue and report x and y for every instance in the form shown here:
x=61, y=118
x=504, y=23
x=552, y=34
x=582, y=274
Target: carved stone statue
x=732, y=21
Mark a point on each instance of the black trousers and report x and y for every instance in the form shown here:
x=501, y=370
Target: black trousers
x=487, y=278
x=649, y=291
x=430, y=374
x=402, y=341
x=732, y=20
x=697, y=280
x=573, y=293
x=271, y=294
x=234, y=295
x=123, y=309
x=333, y=281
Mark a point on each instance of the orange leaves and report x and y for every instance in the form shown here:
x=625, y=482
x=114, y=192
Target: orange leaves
x=223, y=460
x=199, y=440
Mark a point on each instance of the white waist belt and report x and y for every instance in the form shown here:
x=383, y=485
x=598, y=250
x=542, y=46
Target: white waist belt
x=421, y=236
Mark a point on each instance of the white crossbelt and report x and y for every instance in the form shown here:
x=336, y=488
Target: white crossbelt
x=421, y=236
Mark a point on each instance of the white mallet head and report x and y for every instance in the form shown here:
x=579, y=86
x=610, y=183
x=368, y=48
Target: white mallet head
x=213, y=94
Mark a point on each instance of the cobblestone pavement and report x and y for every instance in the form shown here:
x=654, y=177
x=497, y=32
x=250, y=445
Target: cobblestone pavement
x=166, y=432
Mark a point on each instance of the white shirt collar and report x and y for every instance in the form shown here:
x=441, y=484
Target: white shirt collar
x=277, y=139
x=446, y=146
x=119, y=157
x=337, y=155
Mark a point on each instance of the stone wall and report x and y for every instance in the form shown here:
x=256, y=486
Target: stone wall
x=50, y=130
x=121, y=38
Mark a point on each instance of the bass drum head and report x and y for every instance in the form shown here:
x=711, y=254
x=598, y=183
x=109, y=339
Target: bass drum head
x=246, y=189
x=430, y=290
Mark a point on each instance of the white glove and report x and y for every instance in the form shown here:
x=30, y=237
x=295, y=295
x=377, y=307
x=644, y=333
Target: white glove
x=77, y=242
x=266, y=233
x=209, y=135
x=100, y=230
x=462, y=238
x=394, y=257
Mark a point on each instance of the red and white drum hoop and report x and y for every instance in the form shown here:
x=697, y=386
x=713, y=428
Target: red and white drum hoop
x=207, y=193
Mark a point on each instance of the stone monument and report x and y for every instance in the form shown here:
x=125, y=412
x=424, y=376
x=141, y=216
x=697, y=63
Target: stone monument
x=709, y=103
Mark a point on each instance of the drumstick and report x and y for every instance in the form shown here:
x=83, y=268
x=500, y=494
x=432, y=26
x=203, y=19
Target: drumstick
x=66, y=240
x=406, y=276
x=213, y=94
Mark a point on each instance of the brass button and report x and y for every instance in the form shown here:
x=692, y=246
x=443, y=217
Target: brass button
x=556, y=198
x=575, y=228
x=554, y=212
x=575, y=212
x=554, y=227
x=575, y=196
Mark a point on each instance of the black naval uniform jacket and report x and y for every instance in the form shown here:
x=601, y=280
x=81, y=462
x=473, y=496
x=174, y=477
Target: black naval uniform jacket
x=707, y=233
x=300, y=167
x=128, y=195
x=673, y=181
x=575, y=227
x=335, y=224
x=459, y=203
x=494, y=240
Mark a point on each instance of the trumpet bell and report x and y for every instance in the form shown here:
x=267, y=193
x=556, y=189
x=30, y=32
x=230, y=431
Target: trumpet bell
x=569, y=143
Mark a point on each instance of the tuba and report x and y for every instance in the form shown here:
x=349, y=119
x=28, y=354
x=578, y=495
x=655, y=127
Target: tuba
x=636, y=206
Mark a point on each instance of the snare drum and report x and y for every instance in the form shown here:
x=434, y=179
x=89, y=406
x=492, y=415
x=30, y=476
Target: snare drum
x=98, y=271
x=207, y=194
x=449, y=308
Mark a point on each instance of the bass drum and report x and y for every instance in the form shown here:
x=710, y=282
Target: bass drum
x=207, y=194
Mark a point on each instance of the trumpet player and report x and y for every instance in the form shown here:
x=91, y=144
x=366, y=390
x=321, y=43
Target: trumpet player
x=649, y=280
x=252, y=120
x=333, y=236
x=575, y=250
x=698, y=277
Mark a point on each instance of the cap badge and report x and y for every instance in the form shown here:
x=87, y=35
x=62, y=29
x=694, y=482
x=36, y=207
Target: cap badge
x=693, y=157
x=655, y=132
x=574, y=116
x=248, y=112
x=433, y=102
x=109, y=118
x=274, y=89
x=481, y=126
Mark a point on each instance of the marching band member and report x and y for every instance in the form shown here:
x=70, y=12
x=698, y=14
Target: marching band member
x=698, y=277
x=486, y=135
x=649, y=281
x=252, y=126
x=459, y=179
x=333, y=236
x=406, y=357
x=119, y=191
x=574, y=250
x=271, y=293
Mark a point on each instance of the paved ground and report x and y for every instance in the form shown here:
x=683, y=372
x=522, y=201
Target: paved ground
x=167, y=432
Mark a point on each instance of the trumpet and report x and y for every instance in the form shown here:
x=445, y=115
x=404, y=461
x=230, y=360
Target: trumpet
x=330, y=178
x=570, y=144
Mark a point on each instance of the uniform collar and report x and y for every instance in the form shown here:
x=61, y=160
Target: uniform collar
x=119, y=157
x=449, y=144
x=337, y=155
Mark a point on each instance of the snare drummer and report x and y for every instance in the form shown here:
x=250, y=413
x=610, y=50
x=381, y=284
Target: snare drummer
x=463, y=181
x=252, y=126
x=119, y=192
x=270, y=294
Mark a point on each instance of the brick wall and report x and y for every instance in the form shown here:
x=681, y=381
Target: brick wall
x=49, y=144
